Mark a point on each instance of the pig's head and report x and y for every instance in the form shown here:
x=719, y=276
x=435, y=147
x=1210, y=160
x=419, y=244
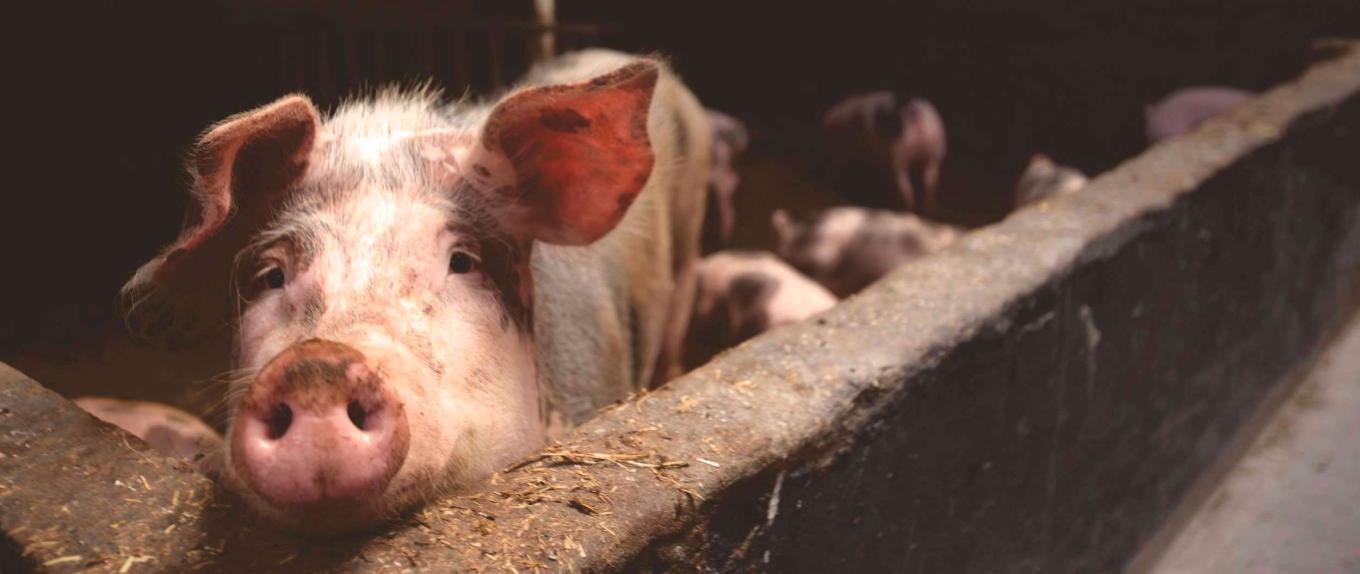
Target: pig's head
x=375, y=268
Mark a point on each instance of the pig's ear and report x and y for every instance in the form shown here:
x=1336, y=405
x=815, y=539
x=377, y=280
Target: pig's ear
x=569, y=159
x=241, y=168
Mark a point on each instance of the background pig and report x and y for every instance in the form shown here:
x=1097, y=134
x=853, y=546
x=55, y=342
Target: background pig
x=415, y=288
x=730, y=141
x=1182, y=110
x=741, y=294
x=884, y=153
x=169, y=430
x=847, y=248
x=657, y=260
x=1044, y=178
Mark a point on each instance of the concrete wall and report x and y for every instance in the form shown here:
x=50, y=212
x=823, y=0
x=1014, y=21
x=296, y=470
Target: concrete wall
x=1036, y=398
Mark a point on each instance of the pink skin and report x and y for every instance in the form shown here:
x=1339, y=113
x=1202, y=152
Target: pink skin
x=906, y=142
x=386, y=333
x=847, y=248
x=318, y=425
x=729, y=142
x=741, y=294
x=918, y=153
x=168, y=430
x=1184, y=109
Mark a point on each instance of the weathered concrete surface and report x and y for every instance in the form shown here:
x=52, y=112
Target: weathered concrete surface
x=1035, y=399
x=77, y=493
x=1292, y=504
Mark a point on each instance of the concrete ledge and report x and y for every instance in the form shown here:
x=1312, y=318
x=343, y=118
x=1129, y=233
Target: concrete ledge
x=1036, y=399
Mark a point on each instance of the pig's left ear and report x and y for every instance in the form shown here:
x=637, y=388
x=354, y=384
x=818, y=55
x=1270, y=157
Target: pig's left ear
x=241, y=168
x=568, y=160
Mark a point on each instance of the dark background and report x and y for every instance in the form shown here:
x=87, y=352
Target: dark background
x=106, y=97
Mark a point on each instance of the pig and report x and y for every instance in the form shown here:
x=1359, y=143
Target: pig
x=741, y=294
x=678, y=225
x=1043, y=178
x=885, y=153
x=168, y=430
x=847, y=248
x=416, y=293
x=730, y=140
x=1182, y=110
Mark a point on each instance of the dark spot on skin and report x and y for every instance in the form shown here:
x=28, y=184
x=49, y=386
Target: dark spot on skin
x=420, y=345
x=887, y=124
x=637, y=129
x=565, y=120
x=738, y=314
x=873, y=252
x=750, y=295
x=749, y=288
x=312, y=310
x=480, y=379
x=428, y=310
x=316, y=381
x=481, y=170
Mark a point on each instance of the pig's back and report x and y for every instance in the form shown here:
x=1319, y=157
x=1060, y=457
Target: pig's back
x=601, y=311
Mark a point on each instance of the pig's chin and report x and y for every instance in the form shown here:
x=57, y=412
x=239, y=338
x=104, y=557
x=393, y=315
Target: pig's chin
x=333, y=516
x=326, y=518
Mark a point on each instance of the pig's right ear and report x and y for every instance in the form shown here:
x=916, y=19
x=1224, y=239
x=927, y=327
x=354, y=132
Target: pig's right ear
x=568, y=160
x=241, y=169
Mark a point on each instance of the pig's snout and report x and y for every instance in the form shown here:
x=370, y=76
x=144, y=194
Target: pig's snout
x=319, y=426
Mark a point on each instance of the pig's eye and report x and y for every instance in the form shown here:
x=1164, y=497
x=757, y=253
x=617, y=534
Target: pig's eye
x=462, y=262
x=271, y=278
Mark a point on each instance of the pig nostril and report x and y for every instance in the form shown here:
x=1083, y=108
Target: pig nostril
x=280, y=418
x=357, y=415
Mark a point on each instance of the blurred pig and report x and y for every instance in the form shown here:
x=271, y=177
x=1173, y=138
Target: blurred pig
x=885, y=153
x=1043, y=178
x=415, y=290
x=730, y=141
x=1182, y=110
x=168, y=430
x=741, y=294
x=847, y=248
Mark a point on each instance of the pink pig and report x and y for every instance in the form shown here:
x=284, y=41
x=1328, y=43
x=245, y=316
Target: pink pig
x=1184, y=109
x=847, y=248
x=167, y=429
x=730, y=140
x=741, y=294
x=415, y=291
x=884, y=153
